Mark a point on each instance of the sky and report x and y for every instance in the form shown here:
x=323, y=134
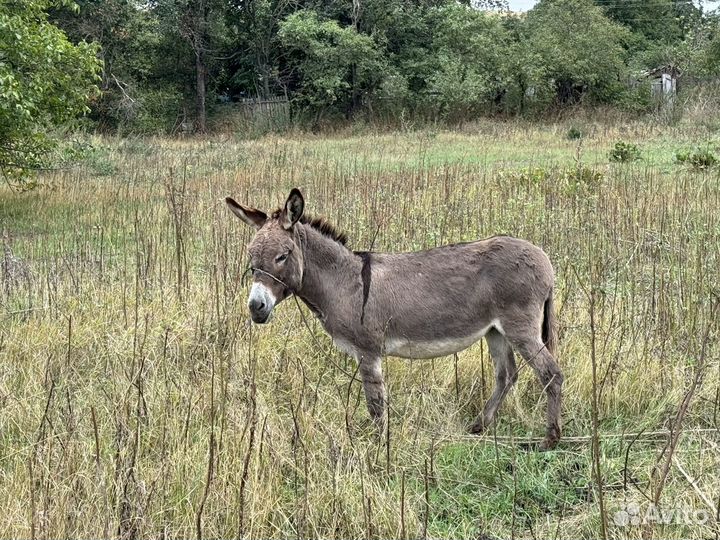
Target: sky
x=521, y=5
x=524, y=5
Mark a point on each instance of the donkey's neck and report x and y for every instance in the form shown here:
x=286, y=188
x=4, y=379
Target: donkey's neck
x=331, y=276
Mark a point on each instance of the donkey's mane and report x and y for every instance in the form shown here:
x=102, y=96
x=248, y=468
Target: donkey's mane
x=320, y=224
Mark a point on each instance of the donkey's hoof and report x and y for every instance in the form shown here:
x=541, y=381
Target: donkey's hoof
x=548, y=444
x=477, y=428
x=552, y=437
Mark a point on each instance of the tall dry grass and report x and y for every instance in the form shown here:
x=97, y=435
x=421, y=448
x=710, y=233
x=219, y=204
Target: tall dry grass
x=136, y=400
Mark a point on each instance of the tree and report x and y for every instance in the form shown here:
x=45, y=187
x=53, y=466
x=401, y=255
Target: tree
x=469, y=50
x=127, y=37
x=654, y=22
x=523, y=67
x=581, y=50
x=255, y=66
x=698, y=56
x=334, y=65
x=197, y=29
x=45, y=81
x=711, y=60
x=658, y=29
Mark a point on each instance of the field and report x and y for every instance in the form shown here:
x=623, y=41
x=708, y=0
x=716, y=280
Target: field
x=136, y=400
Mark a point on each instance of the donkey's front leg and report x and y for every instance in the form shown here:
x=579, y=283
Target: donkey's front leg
x=372, y=377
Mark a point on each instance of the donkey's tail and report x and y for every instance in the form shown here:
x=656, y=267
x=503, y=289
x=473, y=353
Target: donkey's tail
x=549, y=325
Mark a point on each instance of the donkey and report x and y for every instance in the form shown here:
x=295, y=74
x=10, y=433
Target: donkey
x=422, y=304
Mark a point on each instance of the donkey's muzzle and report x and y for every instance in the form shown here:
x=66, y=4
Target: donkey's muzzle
x=257, y=305
x=259, y=311
x=260, y=303
x=260, y=318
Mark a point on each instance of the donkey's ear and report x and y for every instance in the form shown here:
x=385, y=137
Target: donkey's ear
x=251, y=216
x=293, y=209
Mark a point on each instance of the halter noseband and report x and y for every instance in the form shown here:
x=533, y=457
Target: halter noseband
x=302, y=242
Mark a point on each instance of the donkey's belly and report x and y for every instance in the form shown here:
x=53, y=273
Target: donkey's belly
x=418, y=348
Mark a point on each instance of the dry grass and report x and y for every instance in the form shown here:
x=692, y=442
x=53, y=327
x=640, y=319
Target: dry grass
x=137, y=401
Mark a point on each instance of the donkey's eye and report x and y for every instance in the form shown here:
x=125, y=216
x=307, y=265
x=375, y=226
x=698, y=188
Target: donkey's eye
x=281, y=258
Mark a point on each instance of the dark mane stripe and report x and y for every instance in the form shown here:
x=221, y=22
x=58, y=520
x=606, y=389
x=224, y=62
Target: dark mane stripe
x=321, y=225
x=325, y=227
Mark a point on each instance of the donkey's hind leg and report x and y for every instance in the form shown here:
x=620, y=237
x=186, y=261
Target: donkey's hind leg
x=534, y=351
x=505, y=376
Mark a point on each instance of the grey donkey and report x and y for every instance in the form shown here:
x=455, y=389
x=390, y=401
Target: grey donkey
x=422, y=304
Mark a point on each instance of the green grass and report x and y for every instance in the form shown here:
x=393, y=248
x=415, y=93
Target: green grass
x=127, y=360
x=477, y=482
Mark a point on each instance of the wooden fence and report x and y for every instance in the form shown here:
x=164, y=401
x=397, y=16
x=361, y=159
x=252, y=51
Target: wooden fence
x=272, y=111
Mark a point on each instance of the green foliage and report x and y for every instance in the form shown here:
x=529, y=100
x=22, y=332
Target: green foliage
x=573, y=181
x=528, y=177
x=711, y=55
x=134, y=78
x=580, y=50
x=475, y=483
x=166, y=61
x=581, y=180
x=149, y=78
x=698, y=158
x=156, y=111
x=573, y=134
x=636, y=100
x=468, y=51
x=699, y=53
x=98, y=159
x=258, y=55
x=44, y=80
x=624, y=152
x=652, y=21
x=337, y=65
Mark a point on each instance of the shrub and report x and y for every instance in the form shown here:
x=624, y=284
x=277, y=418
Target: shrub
x=527, y=177
x=583, y=177
x=156, y=113
x=699, y=158
x=624, y=152
x=573, y=134
x=97, y=158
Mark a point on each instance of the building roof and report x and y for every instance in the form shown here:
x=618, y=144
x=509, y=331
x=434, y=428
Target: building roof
x=667, y=69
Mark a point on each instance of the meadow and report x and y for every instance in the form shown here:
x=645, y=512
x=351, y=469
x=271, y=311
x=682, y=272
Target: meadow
x=136, y=399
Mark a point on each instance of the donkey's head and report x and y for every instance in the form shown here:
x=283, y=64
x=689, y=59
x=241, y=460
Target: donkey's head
x=276, y=257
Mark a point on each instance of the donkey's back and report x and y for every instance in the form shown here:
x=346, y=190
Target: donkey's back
x=452, y=295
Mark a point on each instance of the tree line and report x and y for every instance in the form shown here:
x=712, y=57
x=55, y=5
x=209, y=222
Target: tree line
x=340, y=59
x=144, y=66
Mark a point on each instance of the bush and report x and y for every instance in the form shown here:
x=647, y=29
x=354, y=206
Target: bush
x=624, y=152
x=582, y=180
x=699, y=158
x=573, y=134
x=157, y=112
x=527, y=177
x=98, y=159
x=635, y=100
